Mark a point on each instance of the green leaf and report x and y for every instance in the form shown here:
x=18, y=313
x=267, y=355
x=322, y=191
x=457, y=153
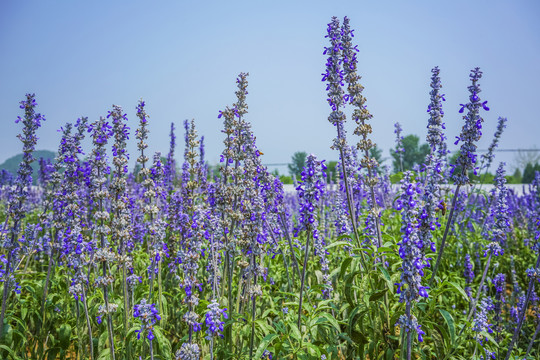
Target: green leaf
x=7, y=334
x=64, y=336
x=348, y=287
x=384, y=250
x=332, y=320
x=313, y=350
x=344, y=265
x=265, y=328
x=52, y=353
x=295, y=333
x=386, y=277
x=105, y=354
x=319, y=276
x=490, y=338
x=164, y=345
x=338, y=243
x=102, y=341
x=451, y=326
x=358, y=337
x=264, y=344
x=10, y=351
x=459, y=290
x=376, y=296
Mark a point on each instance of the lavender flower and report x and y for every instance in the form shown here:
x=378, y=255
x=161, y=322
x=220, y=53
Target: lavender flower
x=413, y=260
x=101, y=132
x=170, y=167
x=341, y=53
x=399, y=144
x=121, y=220
x=481, y=323
x=471, y=131
x=481, y=319
x=334, y=73
x=188, y=351
x=499, y=281
x=410, y=287
x=214, y=323
x=142, y=133
x=488, y=157
x=500, y=212
x=469, y=274
x=435, y=136
x=16, y=211
x=149, y=315
x=410, y=325
x=361, y=116
x=309, y=194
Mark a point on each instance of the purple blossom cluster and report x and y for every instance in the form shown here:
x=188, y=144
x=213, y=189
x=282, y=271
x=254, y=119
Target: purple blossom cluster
x=149, y=315
x=214, y=321
x=471, y=131
x=410, y=246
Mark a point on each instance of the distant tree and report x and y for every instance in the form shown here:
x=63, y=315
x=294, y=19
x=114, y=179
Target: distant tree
x=136, y=170
x=285, y=179
x=414, y=153
x=528, y=173
x=298, y=162
x=523, y=157
x=517, y=176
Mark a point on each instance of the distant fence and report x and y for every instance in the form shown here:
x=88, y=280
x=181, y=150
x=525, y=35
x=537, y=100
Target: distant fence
x=518, y=189
x=478, y=150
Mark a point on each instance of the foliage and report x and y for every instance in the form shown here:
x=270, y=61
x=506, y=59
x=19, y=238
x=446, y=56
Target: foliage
x=413, y=154
x=298, y=161
x=528, y=172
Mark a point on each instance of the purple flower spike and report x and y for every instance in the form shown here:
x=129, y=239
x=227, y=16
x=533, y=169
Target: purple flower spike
x=470, y=133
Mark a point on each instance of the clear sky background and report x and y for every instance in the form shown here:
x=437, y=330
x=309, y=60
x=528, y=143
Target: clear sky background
x=183, y=58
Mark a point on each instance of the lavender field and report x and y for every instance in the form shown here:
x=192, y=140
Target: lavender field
x=176, y=259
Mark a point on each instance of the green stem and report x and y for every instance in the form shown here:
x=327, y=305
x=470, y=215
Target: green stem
x=448, y=226
x=88, y=324
x=302, y=280
x=522, y=314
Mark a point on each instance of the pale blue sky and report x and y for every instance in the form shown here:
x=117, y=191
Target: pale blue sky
x=183, y=57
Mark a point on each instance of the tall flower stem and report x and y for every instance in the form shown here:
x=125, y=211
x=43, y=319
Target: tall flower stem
x=409, y=342
x=443, y=241
x=352, y=213
x=479, y=292
x=291, y=248
x=104, y=274
x=90, y=339
x=160, y=292
x=78, y=333
x=46, y=286
x=374, y=204
x=109, y=317
x=472, y=308
x=5, y=294
x=515, y=337
x=532, y=340
x=302, y=280
x=252, y=314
